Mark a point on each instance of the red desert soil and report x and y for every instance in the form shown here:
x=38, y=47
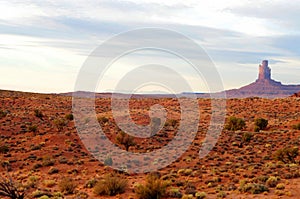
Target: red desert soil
x=39, y=149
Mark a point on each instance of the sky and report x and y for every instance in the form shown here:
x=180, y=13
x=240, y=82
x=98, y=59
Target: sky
x=44, y=44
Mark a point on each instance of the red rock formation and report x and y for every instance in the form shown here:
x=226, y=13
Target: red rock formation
x=264, y=86
x=264, y=71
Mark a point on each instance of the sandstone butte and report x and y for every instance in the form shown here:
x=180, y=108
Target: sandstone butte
x=264, y=86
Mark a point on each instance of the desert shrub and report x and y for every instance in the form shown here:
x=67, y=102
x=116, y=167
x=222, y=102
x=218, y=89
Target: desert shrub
x=67, y=185
x=38, y=113
x=279, y=192
x=272, y=181
x=32, y=128
x=35, y=147
x=125, y=140
x=247, y=137
x=91, y=183
x=234, y=124
x=296, y=126
x=190, y=189
x=185, y=172
x=82, y=195
x=69, y=116
x=221, y=194
x=287, y=154
x=32, y=181
x=102, y=120
x=280, y=186
x=63, y=160
x=175, y=193
x=60, y=123
x=49, y=183
x=48, y=161
x=253, y=188
x=154, y=188
x=53, y=170
x=2, y=114
x=200, y=195
x=260, y=124
x=10, y=189
x=111, y=185
x=4, y=148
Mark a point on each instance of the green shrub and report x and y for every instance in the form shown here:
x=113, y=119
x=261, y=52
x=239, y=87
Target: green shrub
x=247, y=136
x=287, y=154
x=111, y=185
x=261, y=123
x=38, y=113
x=69, y=116
x=234, y=124
x=67, y=185
x=154, y=188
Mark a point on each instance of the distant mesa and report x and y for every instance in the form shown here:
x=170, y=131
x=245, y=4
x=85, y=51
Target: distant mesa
x=264, y=86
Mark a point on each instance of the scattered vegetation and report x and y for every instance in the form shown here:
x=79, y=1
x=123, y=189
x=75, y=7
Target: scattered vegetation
x=272, y=181
x=111, y=185
x=60, y=123
x=234, y=124
x=260, y=124
x=154, y=188
x=38, y=113
x=125, y=140
x=253, y=188
x=67, y=185
x=287, y=154
x=247, y=136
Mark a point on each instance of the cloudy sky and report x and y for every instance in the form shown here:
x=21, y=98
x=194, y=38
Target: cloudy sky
x=43, y=44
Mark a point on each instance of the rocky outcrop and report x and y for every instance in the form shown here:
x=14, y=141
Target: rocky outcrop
x=264, y=86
